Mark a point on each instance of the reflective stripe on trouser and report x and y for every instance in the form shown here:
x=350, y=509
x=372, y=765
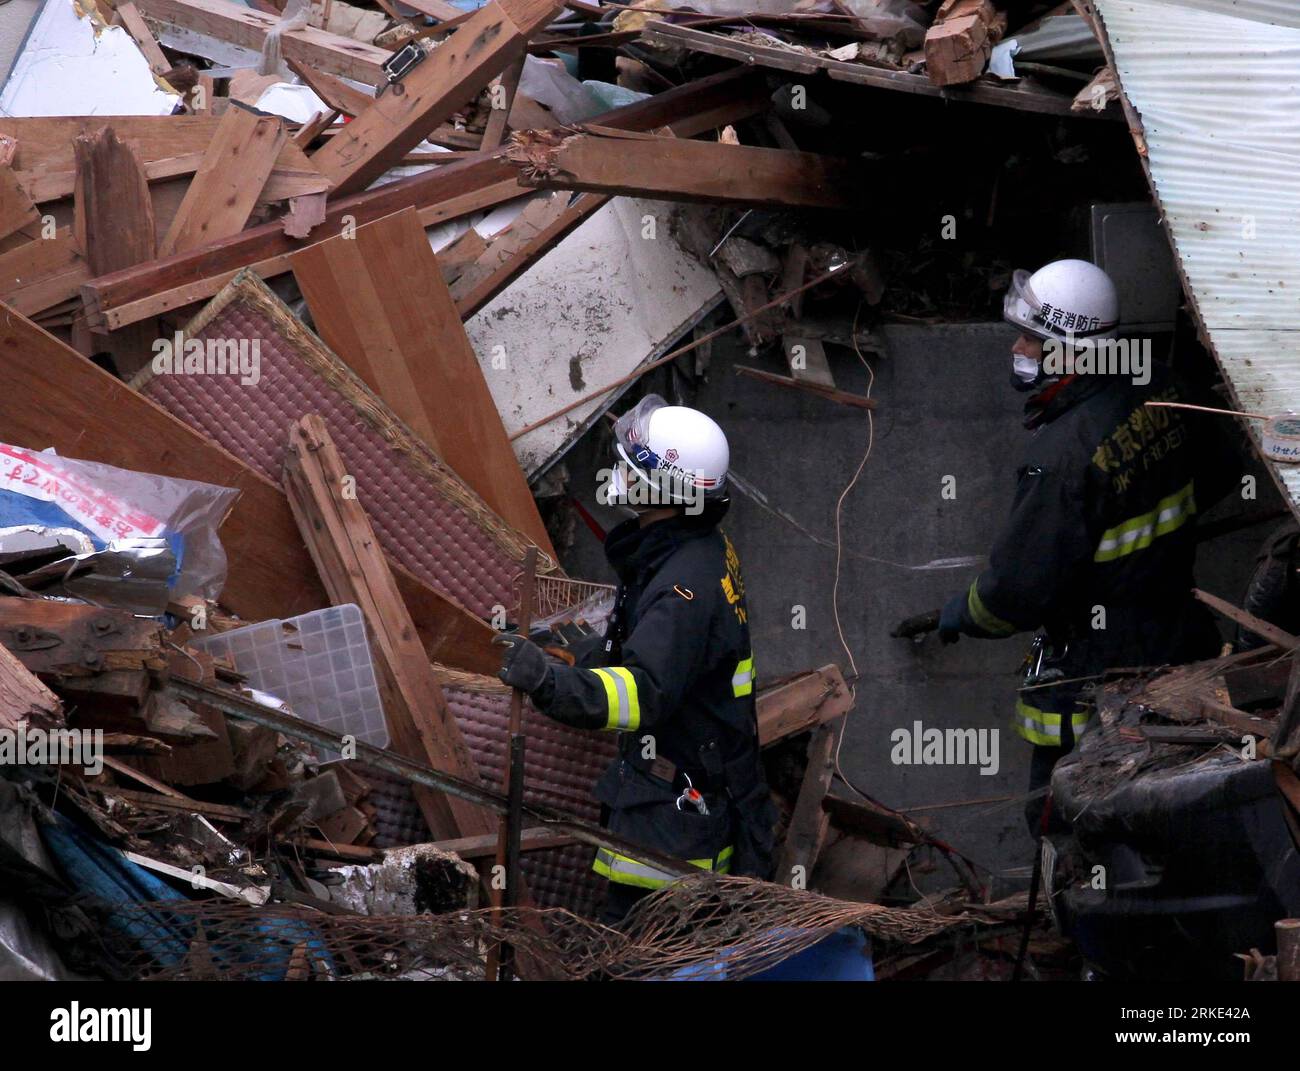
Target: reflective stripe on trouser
x=742, y=683
x=983, y=616
x=1139, y=532
x=627, y=871
x=1043, y=727
x=621, y=695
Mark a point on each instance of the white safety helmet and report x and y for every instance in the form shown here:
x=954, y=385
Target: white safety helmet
x=1063, y=298
x=679, y=451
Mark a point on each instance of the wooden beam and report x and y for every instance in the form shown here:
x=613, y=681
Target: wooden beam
x=133, y=22
x=84, y=412
x=450, y=76
x=679, y=170
x=958, y=43
x=502, y=96
x=243, y=26
x=1020, y=97
x=227, y=185
x=346, y=552
x=1261, y=628
x=800, y=704
x=379, y=301
x=463, y=187
x=809, y=821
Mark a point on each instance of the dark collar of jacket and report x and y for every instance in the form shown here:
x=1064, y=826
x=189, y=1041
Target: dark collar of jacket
x=1062, y=396
x=634, y=551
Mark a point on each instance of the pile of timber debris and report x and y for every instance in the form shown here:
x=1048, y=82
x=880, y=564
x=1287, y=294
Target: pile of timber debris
x=265, y=248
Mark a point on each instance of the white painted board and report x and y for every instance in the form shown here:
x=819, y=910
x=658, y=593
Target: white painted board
x=602, y=302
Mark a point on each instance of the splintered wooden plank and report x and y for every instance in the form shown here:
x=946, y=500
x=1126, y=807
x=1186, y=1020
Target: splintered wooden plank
x=84, y=412
x=379, y=301
x=678, y=170
x=343, y=545
x=113, y=213
x=228, y=182
x=17, y=210
x=114, y=226
x=958, y=43
x=446, y=80
x=240, y=25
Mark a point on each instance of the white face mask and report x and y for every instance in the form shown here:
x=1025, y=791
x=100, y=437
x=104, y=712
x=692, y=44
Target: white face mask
x=1026, y=369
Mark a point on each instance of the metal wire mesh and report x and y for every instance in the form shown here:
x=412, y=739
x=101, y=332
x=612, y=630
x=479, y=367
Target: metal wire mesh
x=705, y=927
x=555, y=594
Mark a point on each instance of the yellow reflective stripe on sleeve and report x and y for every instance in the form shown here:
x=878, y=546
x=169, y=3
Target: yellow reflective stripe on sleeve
x=628, y=693
x=621, y=696
x=1037, y=726
x=625, y=870
x=1139, y=532
x=742, y=682
x=1080, y=721
x=611, y=697
x=983, y=616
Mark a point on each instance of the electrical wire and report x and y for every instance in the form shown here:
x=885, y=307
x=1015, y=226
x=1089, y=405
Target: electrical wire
x=950, y=853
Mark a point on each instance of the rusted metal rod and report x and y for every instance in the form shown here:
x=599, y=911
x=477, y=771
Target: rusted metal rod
x=511, y=822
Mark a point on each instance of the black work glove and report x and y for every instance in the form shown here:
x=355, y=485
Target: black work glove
x=524, y=665
x=950, y=618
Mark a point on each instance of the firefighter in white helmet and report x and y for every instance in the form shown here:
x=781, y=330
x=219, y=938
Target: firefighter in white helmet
x=1098, y=551
x=674, y=677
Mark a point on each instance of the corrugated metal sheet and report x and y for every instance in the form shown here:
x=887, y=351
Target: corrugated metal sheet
x=1216, y=84
x=1278, y=12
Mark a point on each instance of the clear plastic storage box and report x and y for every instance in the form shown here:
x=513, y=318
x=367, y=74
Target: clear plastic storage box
x=318, y=663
